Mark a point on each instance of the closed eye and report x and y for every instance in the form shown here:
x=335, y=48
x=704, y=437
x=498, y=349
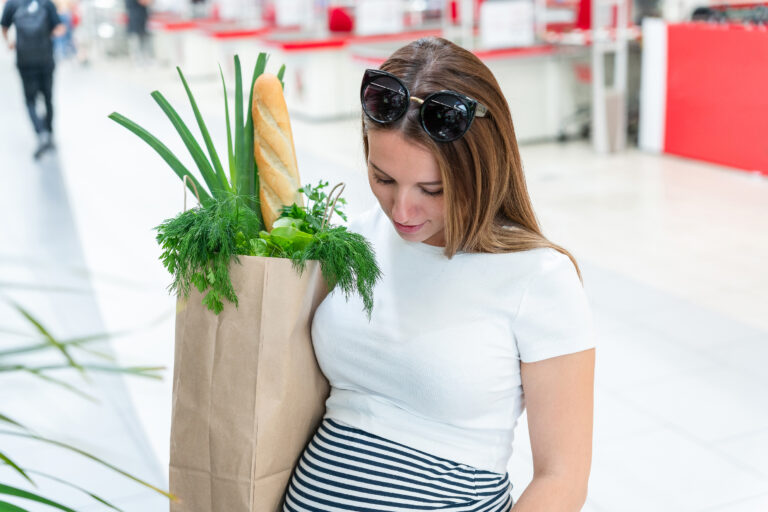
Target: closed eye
x=424, y=191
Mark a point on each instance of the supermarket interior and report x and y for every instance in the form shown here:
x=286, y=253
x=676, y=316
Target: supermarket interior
x=643, y=132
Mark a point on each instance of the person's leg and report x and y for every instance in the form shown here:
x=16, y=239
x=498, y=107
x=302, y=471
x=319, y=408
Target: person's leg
x=30, y=79
x=145, y=48
x=46, y=86
x=134, y=47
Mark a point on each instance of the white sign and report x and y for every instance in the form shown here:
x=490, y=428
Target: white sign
x=506, y=23
x=290, y=13
x=378, y=17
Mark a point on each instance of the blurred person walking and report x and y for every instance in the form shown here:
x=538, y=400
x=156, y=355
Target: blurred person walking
x=138, y=36
x=36, y=23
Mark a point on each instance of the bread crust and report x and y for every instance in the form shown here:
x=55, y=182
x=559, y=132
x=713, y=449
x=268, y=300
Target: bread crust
x=273, y=149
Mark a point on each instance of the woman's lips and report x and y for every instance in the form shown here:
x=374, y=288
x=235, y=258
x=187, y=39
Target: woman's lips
x=408, y=229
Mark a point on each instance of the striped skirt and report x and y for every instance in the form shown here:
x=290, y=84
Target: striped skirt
x=347, y=469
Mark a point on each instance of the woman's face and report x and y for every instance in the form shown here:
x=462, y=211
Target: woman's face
x=406, y=180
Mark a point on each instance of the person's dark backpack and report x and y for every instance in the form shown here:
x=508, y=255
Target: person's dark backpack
x=34, y=46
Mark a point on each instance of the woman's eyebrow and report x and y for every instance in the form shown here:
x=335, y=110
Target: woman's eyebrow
x=390, y=177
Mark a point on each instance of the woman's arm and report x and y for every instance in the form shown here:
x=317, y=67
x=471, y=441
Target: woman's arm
x=559, y=398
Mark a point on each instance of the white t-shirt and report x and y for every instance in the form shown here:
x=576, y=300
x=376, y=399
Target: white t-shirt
x=438, y=366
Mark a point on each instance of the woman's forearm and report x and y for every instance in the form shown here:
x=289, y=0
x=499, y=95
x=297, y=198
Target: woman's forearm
x=551, y=493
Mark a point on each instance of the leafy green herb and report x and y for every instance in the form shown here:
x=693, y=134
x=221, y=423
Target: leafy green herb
x=313, y=213
x=346, y=260
x=199, y=244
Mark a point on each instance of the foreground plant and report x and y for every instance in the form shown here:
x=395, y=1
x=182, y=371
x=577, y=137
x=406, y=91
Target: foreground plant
x=12, y=360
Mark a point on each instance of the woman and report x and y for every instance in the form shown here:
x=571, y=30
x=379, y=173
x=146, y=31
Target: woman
x=477, y=315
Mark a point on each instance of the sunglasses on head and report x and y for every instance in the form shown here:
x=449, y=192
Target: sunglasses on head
x=444, y=115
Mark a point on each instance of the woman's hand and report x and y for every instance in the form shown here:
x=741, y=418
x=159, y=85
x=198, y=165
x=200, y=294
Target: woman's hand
x=559, y=398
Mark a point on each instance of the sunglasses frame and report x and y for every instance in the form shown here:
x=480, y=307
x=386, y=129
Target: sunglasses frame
x=474, y=107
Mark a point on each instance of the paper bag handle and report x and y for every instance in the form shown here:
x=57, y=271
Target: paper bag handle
x=331, y=205
x=194, y=187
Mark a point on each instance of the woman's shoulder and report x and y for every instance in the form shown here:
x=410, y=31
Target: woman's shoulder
x=549, y=259
x=549, y=270
x=553, y=316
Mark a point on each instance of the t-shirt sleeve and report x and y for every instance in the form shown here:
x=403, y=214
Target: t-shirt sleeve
x=554, y=317
x=8, y=12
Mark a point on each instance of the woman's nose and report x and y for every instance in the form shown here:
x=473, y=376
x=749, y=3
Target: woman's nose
x=403, y=207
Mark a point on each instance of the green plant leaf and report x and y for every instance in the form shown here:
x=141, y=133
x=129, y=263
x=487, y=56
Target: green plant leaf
x=138, y=371
x=21, y=493
x=38, y=373
x=10, y=507
x=91, y=457
x=206, y=136
x=280, y=75
x=8, y=461
x=64, y=482
x=230, y=152
x=163, y=151
x=148, y=372
x=209, y=176
x=48, y=338
x=6, y=419
x=75, y=342
x=243, y=187
x=83, y=340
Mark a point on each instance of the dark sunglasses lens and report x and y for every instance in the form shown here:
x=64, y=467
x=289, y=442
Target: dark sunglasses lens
x=446, y=117
x=384, y=99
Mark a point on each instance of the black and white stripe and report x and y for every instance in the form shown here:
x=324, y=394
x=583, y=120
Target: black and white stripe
x=346, y=469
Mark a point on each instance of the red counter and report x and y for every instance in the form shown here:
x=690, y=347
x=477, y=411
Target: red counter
x=717, y=94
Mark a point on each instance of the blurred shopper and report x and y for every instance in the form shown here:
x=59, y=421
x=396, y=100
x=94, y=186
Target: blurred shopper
x=199, y=8
x=138, y=36
x=36, y=23
x=85, y=33
x=478, y=315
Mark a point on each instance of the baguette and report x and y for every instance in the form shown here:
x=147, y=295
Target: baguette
x=273, y=149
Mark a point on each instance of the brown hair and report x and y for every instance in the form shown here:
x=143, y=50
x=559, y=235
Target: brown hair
x=486, y=199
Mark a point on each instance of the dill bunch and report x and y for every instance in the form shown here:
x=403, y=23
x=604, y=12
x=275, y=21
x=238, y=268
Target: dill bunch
x=347, y=260
x=199, y=244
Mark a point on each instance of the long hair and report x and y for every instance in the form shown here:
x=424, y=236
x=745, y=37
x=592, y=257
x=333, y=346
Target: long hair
x=487, y=206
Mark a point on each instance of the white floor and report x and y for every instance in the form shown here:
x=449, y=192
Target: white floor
x=672, y=252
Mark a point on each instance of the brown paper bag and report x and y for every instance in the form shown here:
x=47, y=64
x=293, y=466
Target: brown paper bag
x=247, y=392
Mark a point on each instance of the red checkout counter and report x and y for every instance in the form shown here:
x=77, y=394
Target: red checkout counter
x=198, y=46
x=711, y=102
